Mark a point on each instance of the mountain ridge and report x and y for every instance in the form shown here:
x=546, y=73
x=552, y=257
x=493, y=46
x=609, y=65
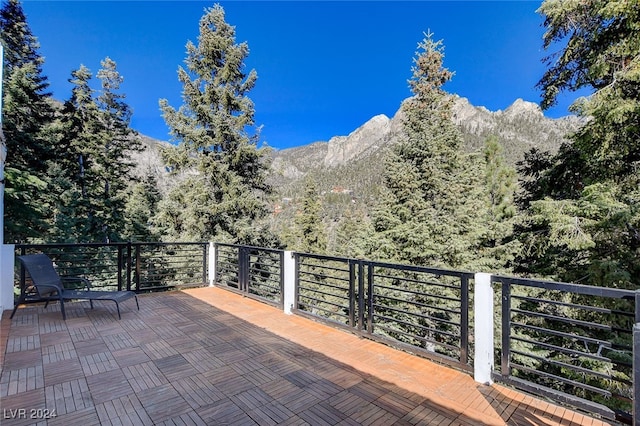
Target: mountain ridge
x=519, y=127
x=356, y=161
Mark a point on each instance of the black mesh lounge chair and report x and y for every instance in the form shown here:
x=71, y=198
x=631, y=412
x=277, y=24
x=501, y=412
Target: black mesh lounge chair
x=48, y=286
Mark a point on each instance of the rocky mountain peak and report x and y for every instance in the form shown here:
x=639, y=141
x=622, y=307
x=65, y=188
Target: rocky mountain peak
x=371, y=134
x=521, y=107
x=464, y=111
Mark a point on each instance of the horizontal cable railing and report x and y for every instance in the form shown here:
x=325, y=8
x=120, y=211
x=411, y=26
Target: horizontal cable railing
x=102, y=264
x=128, y=266
x=254, y=271
x=228, y=265
x=422, y=309
x=325, y=288
x=572, y=342
x=425, y=309
x=158, y=266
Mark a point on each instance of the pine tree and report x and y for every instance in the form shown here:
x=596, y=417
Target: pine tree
x=309, y=230
x=142, y=204
x=21, y=46
x=429, y=214
x=65, y=223
x=585, y=206
x=94, y=154
x=27, y=117
x=583, y=217
x=224, y=197
x=497, y=248
x=113, y=160
x=353, y=236
x=78, y=150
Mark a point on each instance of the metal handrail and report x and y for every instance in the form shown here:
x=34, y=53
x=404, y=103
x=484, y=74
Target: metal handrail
x=136, y=266
x=563, y=348
x=421, y=309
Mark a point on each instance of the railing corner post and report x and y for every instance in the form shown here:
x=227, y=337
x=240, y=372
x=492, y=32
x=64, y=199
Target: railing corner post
x=483, y=328
x=289, y=281
x=7, y=265
x=212, y=264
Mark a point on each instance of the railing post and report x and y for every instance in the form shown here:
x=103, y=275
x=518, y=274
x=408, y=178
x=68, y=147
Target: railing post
x=505, y=349
x=289, y=287
x=483, y=328
x=281, y=255
x=213, y=253
x=361, y=296
x=636, y=374
x=370, y=298
x=7, y=260
x=119, y=261
x=138, y=267
x=464, y=319
x=243, y=269
x=128, y=262
x=352, y=294
x=636, y=363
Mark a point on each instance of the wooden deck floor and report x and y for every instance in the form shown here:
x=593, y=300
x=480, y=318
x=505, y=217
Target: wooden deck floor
x=208, y=356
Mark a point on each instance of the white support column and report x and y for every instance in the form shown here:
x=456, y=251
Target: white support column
x=289, y=281
x=7, y=261
x=212, y=264
x=483, y=328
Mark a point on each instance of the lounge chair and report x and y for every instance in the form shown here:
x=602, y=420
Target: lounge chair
x=48, y=286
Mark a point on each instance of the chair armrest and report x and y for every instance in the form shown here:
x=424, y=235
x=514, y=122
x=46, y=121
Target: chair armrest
x=81, y=282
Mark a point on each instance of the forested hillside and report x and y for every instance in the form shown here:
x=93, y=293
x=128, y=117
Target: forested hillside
x=348, y=170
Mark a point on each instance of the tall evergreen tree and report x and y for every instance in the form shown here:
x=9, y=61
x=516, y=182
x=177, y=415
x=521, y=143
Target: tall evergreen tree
x=113, y=160
x=585, y=206
x=353, y=236
x=21, y=46
x=27, y=116
x=78, y=151
x=94, y=155
x=66, y=224
x=224, y=198
x=309, y=233
x=497, y=247
x=583, y=218
x=142, y=204
x=429, y=214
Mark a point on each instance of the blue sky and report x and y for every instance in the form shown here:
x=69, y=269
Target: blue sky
x=324, y=68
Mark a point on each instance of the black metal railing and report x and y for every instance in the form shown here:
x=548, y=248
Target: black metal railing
x=421, y=309
x=571, y=342
x=325, y=288
x=156, y=266
x=128, y=266
x=425, y=309
x=254, y=271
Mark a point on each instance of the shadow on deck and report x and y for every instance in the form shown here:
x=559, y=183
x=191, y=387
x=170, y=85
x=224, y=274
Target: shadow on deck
x=209, y=356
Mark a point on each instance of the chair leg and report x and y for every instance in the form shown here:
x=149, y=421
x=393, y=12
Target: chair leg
x=15, y=308
x=136, y=297
x=64, y=316
x=21, y=300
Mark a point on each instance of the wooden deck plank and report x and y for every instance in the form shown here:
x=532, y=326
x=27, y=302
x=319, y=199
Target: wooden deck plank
x=208, y=356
